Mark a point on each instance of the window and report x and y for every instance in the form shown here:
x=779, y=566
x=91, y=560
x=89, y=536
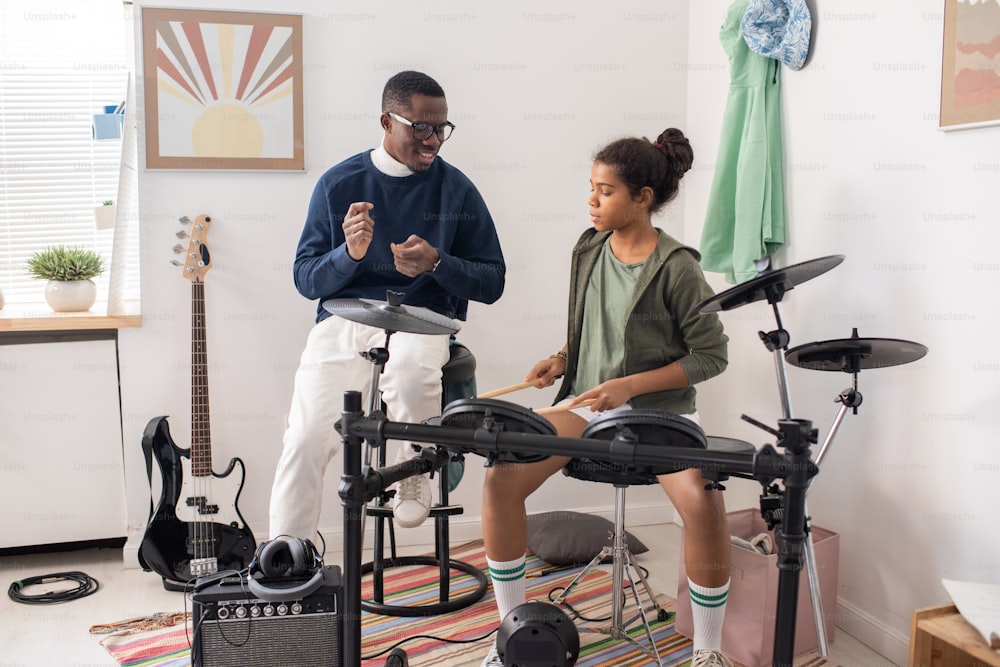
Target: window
x=61, y=62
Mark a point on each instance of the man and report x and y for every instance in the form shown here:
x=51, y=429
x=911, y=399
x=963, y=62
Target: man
x=394, y=218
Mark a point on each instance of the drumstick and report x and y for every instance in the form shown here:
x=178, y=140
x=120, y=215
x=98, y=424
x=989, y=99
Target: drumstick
x=506, y=390
x=562, y=407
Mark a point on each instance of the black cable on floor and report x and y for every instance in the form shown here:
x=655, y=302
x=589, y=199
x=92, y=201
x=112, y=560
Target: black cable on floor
x=86, y=585
x=574, y=614
x=398, y=644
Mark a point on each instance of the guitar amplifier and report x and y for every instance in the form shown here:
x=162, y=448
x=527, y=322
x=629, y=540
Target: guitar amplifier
x=235, y=628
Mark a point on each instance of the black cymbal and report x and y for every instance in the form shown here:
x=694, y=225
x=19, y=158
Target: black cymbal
x=770, y=285
x=409, y=319
x=854, y=354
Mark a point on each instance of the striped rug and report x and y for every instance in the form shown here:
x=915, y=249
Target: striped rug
x=432, y=640
x=429, y=640
x=163, y=647
x=430, y=636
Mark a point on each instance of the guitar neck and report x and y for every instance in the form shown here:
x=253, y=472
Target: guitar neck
x=201, y=437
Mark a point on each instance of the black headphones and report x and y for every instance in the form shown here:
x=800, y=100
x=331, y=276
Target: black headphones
x=280, y=565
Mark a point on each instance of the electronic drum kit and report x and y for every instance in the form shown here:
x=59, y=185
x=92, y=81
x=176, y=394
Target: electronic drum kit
x=500, y=430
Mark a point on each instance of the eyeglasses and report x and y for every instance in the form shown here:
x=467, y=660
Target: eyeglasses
x=423, y=131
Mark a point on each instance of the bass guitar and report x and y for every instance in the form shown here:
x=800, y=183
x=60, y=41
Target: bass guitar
x=196, y=527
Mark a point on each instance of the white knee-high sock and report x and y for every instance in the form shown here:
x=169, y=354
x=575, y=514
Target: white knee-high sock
x=708, y=611
x=508, y=583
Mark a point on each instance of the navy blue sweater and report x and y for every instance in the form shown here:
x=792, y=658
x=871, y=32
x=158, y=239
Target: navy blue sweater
x=440, y=205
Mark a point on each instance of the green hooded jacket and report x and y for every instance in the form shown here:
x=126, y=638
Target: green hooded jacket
x=663, y=324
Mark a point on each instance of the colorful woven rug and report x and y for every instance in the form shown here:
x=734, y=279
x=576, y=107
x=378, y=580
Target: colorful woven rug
x=424, y=638
x=590, y=598
x=163, y=647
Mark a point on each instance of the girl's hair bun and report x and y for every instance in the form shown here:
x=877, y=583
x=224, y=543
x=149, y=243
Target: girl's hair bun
x=677, y=149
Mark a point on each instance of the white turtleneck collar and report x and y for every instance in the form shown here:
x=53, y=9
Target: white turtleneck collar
x=387, y=164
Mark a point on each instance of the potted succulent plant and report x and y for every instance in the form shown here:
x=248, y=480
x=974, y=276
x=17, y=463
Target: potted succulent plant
x=69, y=272
x=104, y=215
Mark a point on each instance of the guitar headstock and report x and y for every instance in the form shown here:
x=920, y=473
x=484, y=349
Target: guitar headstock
x=197, y=259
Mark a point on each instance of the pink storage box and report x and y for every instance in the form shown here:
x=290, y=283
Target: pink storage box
x=748, y=632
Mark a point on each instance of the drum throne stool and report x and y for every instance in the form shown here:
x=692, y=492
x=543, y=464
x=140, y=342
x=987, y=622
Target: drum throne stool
x=624, y=429
x=458, y=381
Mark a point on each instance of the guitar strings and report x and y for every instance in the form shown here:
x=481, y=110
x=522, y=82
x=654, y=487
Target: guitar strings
x=200, y=459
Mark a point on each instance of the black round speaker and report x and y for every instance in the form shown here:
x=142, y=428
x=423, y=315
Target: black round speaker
x=538, y=634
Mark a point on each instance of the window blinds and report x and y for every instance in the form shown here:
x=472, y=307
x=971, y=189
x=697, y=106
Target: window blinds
x=60, y=63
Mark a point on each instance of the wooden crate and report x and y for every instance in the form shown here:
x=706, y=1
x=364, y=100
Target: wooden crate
x=940, y=637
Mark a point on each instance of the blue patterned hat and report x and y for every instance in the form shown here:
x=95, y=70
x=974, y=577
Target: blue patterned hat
x=778, y=29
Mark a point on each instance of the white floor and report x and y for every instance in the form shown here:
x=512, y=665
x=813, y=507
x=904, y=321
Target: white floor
x=37, y=635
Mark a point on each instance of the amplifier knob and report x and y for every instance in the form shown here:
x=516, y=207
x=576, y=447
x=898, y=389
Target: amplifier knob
x=223, y=612
x=269, y=610
x=255, y=611
x=282, y=609
x=296, y=608
x=241, y=612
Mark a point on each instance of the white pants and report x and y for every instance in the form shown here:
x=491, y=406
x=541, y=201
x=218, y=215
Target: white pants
x=330, y=365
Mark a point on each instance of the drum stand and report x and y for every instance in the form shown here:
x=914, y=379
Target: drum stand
x=788, y=511
x=359, y=486
x=786, y=507
x=378, y=356
x=622, y=564
x=849, y=399
x=849, y=355
x=776, y=342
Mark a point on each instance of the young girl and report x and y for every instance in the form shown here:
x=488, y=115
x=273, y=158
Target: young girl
x=635, y=340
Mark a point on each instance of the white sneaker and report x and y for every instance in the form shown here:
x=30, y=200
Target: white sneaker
x=710, y=658
x=412, y=503
x=492, y=658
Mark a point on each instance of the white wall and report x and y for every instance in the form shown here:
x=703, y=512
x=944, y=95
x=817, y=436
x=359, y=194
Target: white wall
x=534, y=92
x=908, y=482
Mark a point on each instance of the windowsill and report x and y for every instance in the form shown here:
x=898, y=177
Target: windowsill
x=39, y=317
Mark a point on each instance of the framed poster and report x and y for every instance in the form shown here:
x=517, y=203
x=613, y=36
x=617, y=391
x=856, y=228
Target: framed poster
x=970, y=64
x=222, y=90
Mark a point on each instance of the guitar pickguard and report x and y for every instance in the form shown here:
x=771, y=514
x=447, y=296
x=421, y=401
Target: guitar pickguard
x=212, y=498
x=180, y=550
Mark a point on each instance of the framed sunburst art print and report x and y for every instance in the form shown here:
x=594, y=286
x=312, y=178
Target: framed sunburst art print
x=222, y=90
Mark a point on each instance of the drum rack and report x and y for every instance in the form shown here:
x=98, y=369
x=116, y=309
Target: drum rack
x=782, y=505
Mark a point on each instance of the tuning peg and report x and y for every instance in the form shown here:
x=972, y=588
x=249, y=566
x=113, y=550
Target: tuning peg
x=182, y=234
x=178, y=249
x=184, y=220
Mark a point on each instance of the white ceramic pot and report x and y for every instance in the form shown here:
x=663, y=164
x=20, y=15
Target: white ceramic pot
x=66, y=296
x=104, y=216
